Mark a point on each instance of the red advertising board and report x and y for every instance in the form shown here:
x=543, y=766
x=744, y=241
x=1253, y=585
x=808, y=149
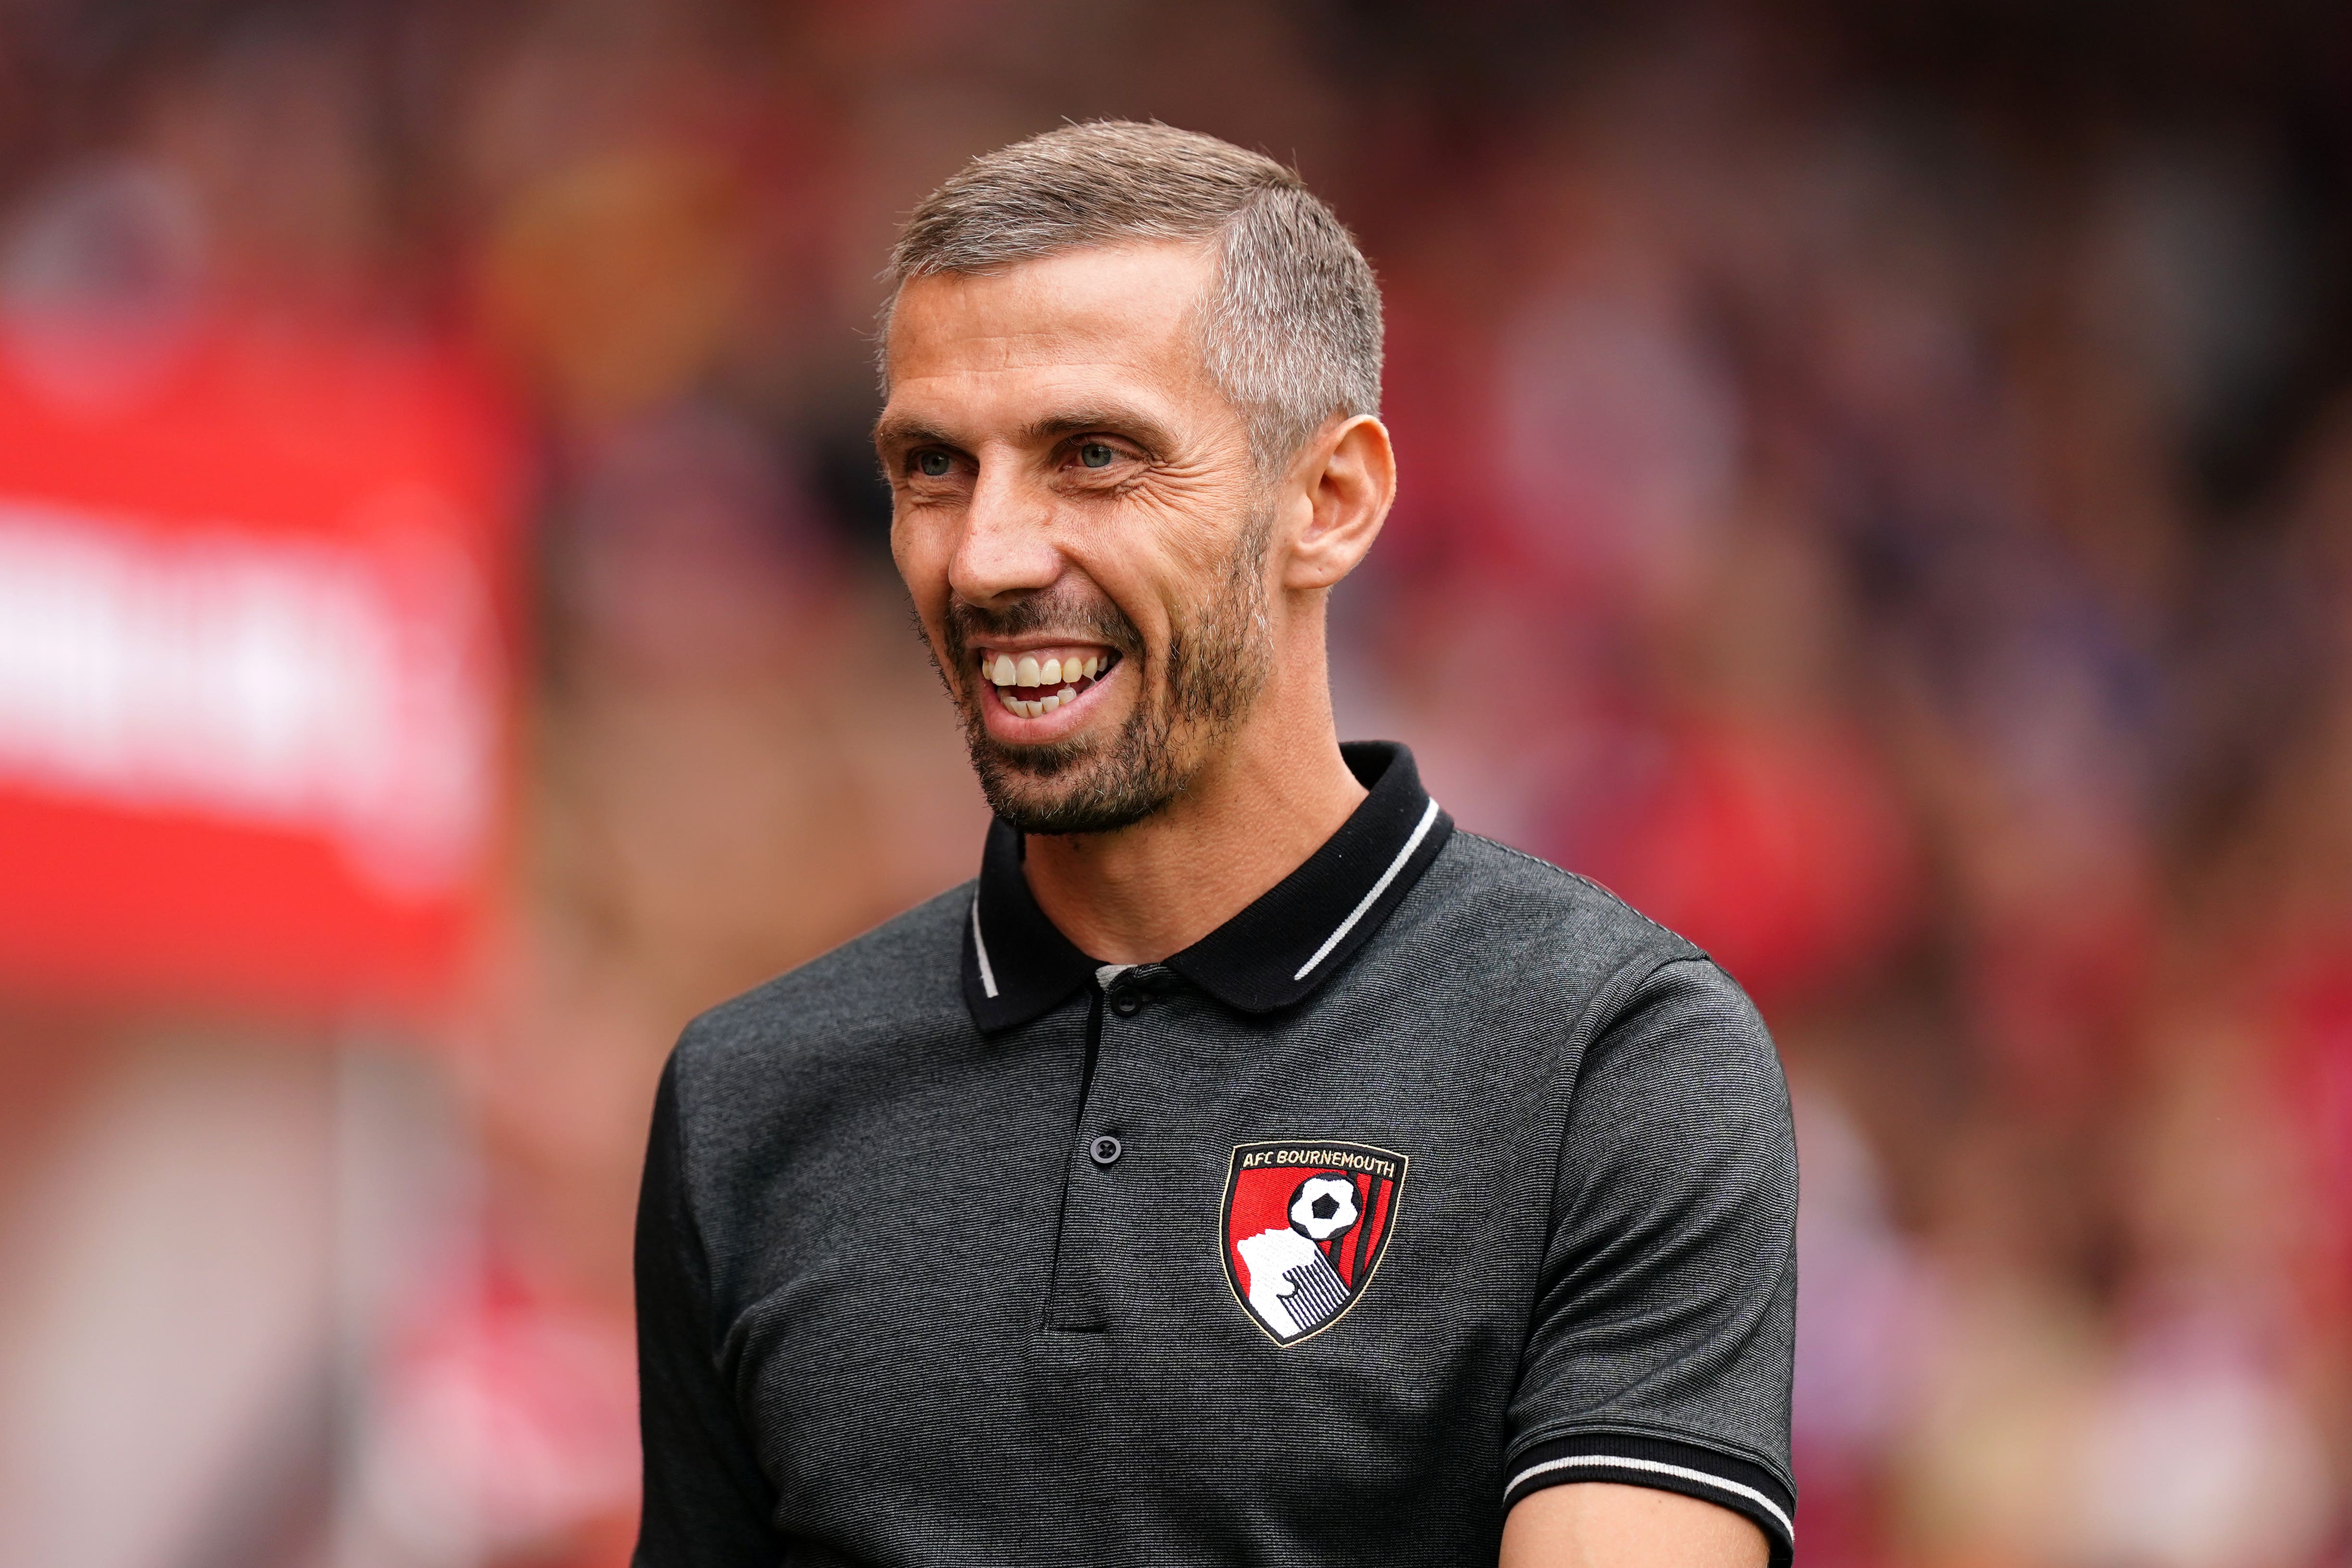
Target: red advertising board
x=254, y=686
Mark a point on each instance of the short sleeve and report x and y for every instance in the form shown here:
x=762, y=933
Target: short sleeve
x=1661, y=1346
x=707, y=1501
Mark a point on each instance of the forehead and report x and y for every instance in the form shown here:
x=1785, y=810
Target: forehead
x=1099, y=319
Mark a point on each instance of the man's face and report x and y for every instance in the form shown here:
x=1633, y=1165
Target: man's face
x=1076, y=514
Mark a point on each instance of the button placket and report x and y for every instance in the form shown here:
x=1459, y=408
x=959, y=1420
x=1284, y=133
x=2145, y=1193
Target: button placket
x=1096, y=1175
x=1125, y=999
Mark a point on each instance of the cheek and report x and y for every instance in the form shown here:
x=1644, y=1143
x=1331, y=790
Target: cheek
x=1195, y=528
x=1158, y=564
x=1185, y=570
x=920, y=550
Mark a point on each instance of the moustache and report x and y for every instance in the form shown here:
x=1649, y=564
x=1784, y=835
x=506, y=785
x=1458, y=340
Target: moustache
x=1077, y=617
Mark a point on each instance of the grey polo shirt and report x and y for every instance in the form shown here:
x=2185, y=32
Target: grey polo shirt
x=1435, y=1176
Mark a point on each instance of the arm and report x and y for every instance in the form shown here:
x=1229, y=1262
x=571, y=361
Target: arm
x=1599, y=1524
x=1659, y=1346
x=706, y=1502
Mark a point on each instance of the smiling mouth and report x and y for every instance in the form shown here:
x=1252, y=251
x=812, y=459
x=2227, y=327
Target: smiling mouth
x=1034, y=683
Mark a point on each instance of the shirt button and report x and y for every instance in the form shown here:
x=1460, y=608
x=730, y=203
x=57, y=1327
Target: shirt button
x=1103, y=1150
x=1126, y=1002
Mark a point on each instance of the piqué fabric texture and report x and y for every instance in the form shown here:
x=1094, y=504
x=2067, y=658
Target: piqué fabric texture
x=1435, y=1177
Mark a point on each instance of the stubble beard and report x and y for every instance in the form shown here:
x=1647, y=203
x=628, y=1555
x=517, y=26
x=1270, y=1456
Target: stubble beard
x=1217, y=663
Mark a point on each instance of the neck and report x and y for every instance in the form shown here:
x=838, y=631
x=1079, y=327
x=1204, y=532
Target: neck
x=1271, y=797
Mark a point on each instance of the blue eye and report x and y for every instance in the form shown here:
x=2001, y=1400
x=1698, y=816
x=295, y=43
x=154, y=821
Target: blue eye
x=1094, y=454
x=933, y=465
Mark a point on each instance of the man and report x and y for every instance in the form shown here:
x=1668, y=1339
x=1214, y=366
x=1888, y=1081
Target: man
x=1248, y=1167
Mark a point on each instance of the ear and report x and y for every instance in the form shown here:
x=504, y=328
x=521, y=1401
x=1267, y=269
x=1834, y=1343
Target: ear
x=1347, y=481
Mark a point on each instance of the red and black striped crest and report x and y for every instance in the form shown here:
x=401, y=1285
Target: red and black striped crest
x=1306, y=1222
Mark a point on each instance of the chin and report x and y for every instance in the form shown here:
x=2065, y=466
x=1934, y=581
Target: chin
x=1068, y=802
x=1074, y=786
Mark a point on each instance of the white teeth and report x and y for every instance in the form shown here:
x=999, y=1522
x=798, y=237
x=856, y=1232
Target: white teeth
x=1026, y=673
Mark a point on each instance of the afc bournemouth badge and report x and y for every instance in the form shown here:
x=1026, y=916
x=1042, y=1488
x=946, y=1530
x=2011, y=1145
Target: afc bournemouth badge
x=1306, y=1222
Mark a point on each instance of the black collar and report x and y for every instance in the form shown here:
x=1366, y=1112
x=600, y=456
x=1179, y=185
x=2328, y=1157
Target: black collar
x=1017, y=965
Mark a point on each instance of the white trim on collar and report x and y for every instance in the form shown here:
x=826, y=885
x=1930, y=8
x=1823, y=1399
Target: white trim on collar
x=980, y=946
x=1428, y=818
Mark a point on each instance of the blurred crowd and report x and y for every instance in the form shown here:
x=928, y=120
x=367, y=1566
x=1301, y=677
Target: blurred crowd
x=1877, y=493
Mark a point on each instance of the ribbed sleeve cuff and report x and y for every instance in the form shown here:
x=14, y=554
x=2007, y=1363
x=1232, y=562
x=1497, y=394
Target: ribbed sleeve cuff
x=1702, y=1473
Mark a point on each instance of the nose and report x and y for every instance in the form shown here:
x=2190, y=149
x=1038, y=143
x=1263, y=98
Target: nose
x=1006, y=548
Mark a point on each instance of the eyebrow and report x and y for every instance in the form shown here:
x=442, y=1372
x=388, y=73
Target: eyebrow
x=1129, y=422
x=898, y=433
x=889, y=432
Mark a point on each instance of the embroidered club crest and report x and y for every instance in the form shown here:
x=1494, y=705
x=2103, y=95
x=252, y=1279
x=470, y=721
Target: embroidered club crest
x=1306, y=1222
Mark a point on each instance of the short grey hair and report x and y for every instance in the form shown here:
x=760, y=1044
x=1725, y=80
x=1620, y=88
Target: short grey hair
x=1291, y=329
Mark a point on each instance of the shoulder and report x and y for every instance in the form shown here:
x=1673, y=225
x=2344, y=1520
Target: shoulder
x=1519, y=886
x=897, y=982
x=1561, y=963
x=1518, y=924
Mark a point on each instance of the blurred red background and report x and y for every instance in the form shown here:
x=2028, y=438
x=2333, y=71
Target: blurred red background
x=255, y=686
x=1877, y=493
